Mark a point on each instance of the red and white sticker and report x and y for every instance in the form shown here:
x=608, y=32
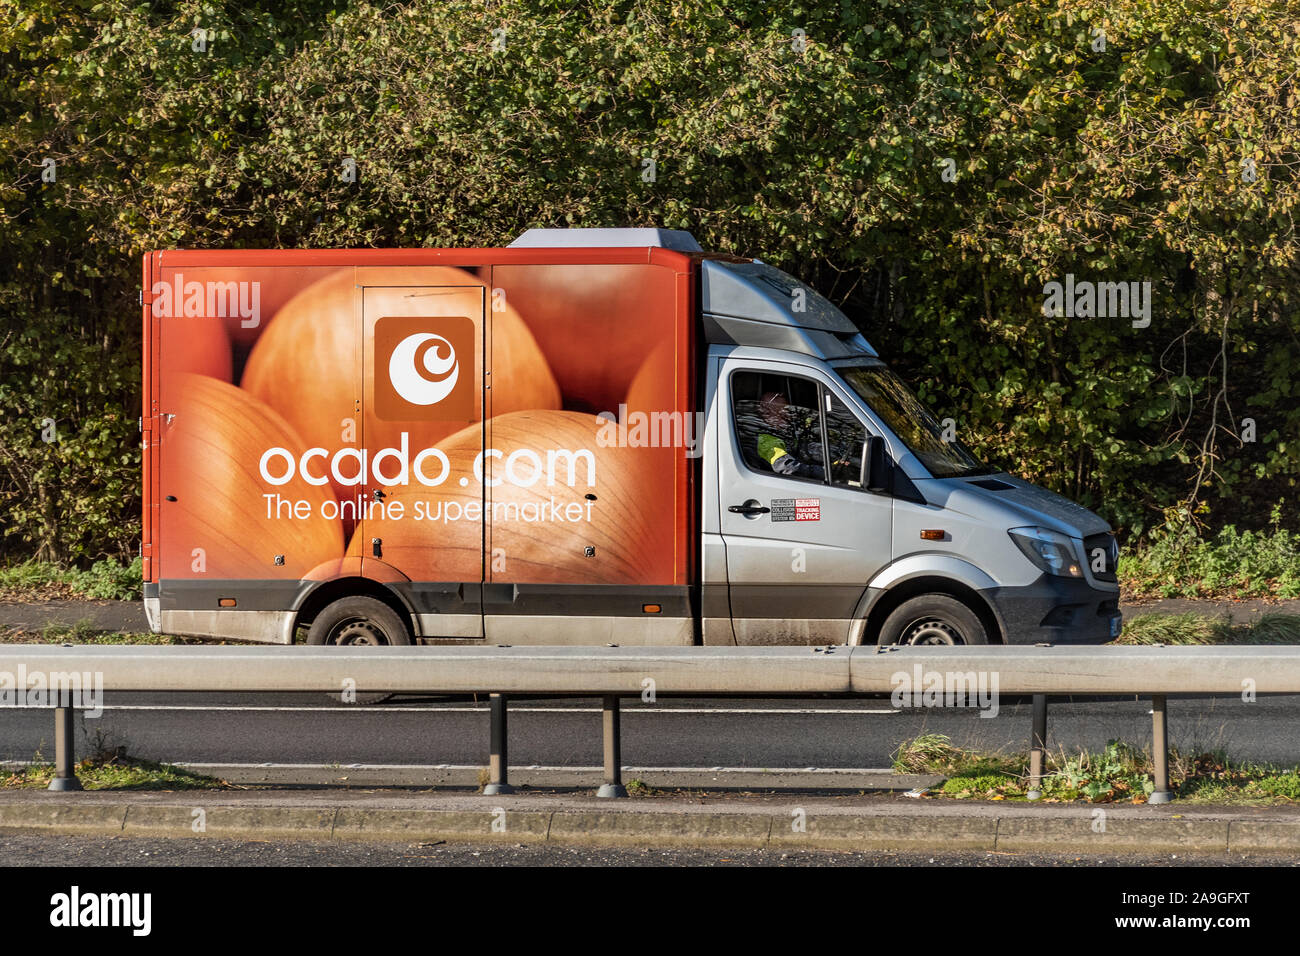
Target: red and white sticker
x=807, y=509
x=796, y=509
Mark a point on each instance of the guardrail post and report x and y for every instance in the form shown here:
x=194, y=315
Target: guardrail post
x=613, y=785
x=499, y=758
x=1160, y=750
x=65, y=774
x=1037, y=747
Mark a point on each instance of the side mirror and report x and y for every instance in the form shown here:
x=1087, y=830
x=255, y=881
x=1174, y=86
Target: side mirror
x=875, y=473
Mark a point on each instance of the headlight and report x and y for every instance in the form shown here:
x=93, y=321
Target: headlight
x=1050, y=551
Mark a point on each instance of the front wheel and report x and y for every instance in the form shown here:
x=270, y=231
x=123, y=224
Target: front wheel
x=358, y=621
x=933, y=619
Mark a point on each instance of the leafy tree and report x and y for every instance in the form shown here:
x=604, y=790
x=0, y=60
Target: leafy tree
x=931, y=166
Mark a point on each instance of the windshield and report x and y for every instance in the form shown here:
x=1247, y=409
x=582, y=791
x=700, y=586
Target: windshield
x=900, y=409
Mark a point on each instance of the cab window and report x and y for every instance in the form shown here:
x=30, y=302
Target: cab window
x=777, y=424
x=845, y=441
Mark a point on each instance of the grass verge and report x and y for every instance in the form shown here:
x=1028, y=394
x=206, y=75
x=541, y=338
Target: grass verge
x=111, y=772
x=1121, y=773
x=84, y=632
x=1271, y=627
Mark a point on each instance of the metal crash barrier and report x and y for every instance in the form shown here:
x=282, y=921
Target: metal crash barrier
x=612, y=673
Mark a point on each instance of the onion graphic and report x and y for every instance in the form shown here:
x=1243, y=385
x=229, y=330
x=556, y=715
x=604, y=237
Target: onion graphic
x=214, y=498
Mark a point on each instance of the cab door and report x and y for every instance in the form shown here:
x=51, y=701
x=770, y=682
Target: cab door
x=802, y=536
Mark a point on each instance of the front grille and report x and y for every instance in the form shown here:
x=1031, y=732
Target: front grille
x=1105, y=547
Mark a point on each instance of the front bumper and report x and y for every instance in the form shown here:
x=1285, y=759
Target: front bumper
x=1057, y=610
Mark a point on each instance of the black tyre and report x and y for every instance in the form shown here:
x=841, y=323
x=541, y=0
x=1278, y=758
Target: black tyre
x=933, y=619
x=358, y=621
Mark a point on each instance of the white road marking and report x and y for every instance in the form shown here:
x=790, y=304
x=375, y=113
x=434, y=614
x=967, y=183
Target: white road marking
x=361, y=709
x=527, y=767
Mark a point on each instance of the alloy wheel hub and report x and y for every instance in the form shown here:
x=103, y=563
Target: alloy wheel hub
x=932, y=632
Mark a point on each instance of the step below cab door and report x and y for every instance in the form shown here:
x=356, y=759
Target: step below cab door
x=802, y=536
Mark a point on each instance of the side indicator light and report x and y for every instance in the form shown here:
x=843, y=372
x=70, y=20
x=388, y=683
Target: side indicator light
x=227, y=602
x=650, y=608
x=933, y=534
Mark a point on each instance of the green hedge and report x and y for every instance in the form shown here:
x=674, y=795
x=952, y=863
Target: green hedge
x=825, y=153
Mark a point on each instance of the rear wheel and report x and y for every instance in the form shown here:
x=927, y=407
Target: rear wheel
x=358, y=622
x=933, y=619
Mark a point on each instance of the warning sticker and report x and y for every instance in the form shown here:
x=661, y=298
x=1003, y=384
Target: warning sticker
x=796, y=509
x=807, y=509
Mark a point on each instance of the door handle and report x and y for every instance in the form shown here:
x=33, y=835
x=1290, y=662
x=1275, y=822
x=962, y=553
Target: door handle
x=749, y=509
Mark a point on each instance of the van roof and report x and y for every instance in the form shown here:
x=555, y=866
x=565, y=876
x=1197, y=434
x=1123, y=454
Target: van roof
x=678, y=240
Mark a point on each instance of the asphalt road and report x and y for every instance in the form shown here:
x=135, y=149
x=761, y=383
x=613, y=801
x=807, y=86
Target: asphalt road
x=212, y=728
x=240, y=729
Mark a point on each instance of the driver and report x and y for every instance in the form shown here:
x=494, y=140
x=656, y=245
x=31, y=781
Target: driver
x=781, y=455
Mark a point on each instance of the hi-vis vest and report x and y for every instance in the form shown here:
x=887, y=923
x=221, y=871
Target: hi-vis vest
x=770, y=448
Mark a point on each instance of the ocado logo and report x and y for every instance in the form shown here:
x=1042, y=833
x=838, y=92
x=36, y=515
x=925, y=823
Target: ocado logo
x=417, y=355
x=425, y=369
